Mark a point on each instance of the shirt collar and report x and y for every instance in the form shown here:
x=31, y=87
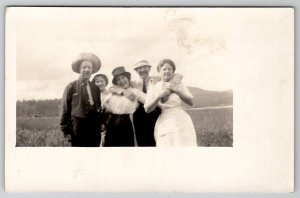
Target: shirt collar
x=83, y=82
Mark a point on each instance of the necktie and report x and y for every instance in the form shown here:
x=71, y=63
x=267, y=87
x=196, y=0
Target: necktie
x=89, y=94
x=144, y=87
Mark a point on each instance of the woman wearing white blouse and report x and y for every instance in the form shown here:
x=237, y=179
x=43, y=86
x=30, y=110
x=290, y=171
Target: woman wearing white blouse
x=119, y=130
x=174, y=127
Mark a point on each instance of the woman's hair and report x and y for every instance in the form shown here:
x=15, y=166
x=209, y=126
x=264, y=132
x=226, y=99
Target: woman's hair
x=126, y=74
x=164, y=61
x=102, y=76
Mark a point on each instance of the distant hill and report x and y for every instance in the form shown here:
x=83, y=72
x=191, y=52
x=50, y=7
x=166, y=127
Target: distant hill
x=205, y=98
x=51, y=107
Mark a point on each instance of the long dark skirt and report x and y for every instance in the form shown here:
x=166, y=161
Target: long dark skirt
x=86, y=132
x=119, y=131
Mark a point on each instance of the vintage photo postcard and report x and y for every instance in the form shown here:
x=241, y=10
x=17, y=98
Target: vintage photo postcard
x=149, y=99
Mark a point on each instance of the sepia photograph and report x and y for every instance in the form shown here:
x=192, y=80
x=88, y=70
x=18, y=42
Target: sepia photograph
x=66, y=60
x=149, y=99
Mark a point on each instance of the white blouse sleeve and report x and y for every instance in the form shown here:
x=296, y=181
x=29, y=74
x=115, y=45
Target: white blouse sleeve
x=152, y=93
x=104, y=96
x=117, y=104
x=141, y=96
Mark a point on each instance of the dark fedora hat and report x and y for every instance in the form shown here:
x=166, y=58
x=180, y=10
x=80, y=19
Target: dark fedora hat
x=119, y=71
x=86, y=57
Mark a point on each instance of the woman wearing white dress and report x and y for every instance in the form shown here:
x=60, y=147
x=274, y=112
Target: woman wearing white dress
x=174, y=127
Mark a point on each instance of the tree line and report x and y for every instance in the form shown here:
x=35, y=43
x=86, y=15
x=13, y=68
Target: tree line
x=39, y=108
x=52, y=107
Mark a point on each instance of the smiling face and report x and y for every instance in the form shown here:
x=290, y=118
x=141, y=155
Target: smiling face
x=100, y=83
x=86, y=68
x=143, y=71
x=123, y=81
x=166, y=72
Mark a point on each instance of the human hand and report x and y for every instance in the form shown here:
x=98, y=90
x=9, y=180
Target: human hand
x=116, y=90
x=68, y=137
x=129, y=95
x=175, y=87
x=165, y=95
x=103, y=127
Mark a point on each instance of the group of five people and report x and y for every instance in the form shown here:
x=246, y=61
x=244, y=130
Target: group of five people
x=148, y=110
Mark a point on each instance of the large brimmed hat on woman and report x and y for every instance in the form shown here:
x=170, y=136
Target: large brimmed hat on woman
x=86, y=57
x=119, y=71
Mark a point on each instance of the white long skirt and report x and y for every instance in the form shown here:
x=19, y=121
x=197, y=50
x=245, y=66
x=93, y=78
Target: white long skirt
x=174, y=127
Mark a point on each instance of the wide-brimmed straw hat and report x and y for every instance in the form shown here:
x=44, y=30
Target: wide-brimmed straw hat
x=86, y=57
x=141, y=63
x=119, y=71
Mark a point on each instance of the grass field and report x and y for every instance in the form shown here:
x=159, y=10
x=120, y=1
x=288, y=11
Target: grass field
x=213, y=127
x=40, y=131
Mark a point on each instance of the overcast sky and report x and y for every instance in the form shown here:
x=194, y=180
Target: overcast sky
x=204, y=43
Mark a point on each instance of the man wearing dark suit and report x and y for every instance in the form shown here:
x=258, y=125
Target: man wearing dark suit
x=80, y=117
x=144, y=123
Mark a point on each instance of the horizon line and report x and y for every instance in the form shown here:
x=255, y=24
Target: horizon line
x=227, y=90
